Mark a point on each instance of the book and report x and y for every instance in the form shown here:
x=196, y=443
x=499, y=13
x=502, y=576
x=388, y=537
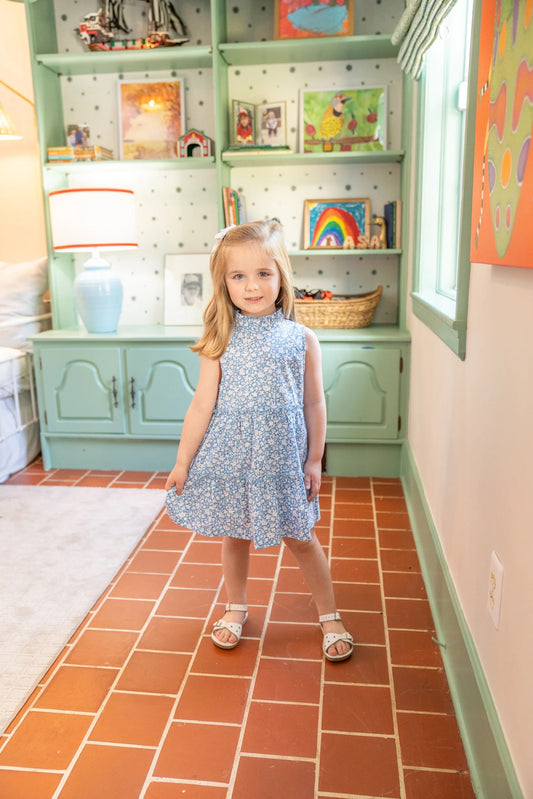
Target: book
x=233, y=206
x=388, y=213
x=398, y=226
x=94, y=152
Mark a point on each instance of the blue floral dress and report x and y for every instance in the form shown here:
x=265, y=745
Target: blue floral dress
x=246, y=479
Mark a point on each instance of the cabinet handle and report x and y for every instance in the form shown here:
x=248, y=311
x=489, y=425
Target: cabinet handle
x=115, y=392
x=132, y=392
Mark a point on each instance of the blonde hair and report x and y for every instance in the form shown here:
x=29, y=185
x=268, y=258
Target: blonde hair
x=220, y=311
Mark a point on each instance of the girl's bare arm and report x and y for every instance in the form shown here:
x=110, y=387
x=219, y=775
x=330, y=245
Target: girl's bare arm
x=196, y=421
x=314, y=414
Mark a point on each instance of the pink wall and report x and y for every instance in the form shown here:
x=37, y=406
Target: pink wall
x=22, y=232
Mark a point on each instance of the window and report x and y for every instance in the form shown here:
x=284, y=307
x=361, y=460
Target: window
x=443, y=194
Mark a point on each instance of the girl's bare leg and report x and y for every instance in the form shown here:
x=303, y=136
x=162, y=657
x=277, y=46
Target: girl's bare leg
x=315, y=569
x=235, y=562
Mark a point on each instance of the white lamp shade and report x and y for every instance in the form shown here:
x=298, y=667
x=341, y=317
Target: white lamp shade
x=92, y=219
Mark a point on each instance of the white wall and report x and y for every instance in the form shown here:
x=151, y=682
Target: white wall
x=471, y=434
x=22, y=233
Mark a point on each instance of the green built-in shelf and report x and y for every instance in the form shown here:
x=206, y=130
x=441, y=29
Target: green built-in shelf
x=337, y=48
x=265, y=158
x=159, y=58
x=149, y=164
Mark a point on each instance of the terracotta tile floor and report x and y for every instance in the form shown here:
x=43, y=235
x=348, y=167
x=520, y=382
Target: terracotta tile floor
x=140, y=704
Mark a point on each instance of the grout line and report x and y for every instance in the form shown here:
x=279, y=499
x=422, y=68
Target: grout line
x=238, y=748
x=401, y=778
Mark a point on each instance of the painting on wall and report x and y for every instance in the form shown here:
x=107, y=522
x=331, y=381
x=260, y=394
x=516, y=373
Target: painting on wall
x=503, y=161
x=188, y=288
x=297, y=19
x=152, y=118
x=350, y=119
x=335, y=224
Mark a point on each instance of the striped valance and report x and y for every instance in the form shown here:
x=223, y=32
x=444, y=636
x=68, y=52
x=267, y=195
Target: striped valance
x=417, y=30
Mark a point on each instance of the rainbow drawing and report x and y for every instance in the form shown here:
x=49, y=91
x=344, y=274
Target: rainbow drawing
x=330, y=223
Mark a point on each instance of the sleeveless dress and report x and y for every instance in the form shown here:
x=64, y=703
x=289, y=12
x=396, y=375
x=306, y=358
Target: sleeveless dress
x=246, y=479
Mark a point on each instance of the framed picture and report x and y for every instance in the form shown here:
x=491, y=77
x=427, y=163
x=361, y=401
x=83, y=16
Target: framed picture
x=298, y=19
x=334, y=224
x=343, y=119
x=242, y=123
x=503, y=157
x=271, y=124
x=151, y=118
x=187, y=288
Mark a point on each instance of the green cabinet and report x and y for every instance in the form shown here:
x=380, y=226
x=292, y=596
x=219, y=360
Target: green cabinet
x=113, y=402
x=362, y=392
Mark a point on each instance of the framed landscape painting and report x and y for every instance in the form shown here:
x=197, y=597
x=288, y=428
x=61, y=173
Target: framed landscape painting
x=343, y=120
x=151, y=118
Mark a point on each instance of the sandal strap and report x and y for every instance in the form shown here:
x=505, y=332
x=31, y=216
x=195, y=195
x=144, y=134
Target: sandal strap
x=231, y=606
x=330, y=617
x=332, y=638
x=233, y=626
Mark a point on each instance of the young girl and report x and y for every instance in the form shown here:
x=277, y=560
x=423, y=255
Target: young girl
x=249, y=459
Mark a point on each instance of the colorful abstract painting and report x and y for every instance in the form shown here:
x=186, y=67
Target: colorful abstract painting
x=502, y=202
x=335, y=223
x=298, y=19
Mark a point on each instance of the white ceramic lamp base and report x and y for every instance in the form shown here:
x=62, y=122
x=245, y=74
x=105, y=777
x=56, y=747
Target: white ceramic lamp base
x=98, y=292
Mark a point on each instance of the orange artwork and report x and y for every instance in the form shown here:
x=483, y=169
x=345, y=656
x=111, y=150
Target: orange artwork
x=502, y=203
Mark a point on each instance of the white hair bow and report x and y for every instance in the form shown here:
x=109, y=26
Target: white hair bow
x=220, y=235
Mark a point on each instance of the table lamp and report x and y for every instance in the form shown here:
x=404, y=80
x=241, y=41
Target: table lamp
x=90, y=220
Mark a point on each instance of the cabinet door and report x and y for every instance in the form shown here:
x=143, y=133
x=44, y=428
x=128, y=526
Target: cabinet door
x=362, y=391
x=161, y=383
x=82, y=389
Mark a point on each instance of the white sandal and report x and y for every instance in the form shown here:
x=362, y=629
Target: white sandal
x=332, y=638
x=232, y=626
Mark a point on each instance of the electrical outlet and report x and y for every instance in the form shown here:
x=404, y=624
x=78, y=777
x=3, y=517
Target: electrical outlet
x=495, y=589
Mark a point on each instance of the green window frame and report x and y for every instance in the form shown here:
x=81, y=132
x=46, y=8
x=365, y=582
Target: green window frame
x=443, y=192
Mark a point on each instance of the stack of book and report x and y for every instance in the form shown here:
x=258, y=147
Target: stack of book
x=93, y=152
x=393, y=217
x=233, y=206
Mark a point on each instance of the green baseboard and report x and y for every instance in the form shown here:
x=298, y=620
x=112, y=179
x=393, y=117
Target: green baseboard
x=83, y=452
x=491, y=767
x=364, y=459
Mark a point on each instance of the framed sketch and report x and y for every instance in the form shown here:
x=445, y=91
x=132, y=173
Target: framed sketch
x=187, y=288
x=343, y=119
x=297, y=19
x=335, y=224
x=242, y=124
x=271, y=124
x=151, y=118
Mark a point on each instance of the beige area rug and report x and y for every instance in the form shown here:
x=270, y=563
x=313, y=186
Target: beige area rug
x=59, y=550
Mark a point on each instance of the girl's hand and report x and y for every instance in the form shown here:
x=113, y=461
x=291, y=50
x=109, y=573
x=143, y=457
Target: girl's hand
x=177, y=478
x=312, y=478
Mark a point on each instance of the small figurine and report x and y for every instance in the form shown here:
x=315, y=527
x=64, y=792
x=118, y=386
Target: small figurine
x=381, y=238
x=192, y=140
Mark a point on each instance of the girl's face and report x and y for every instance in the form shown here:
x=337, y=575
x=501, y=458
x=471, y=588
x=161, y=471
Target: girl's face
x=252, y=279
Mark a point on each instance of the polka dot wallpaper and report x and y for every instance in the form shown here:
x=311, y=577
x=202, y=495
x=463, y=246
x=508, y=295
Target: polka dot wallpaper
x=177, y=209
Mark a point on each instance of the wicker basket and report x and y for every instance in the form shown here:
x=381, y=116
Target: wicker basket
x=358, y=311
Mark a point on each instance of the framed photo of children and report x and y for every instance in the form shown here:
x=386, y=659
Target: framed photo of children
x=335, y=224
x=271, y=124
x=187, y=288
x=298, y=19
x=343, y=119
x=151, y=118
x=242, y=124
